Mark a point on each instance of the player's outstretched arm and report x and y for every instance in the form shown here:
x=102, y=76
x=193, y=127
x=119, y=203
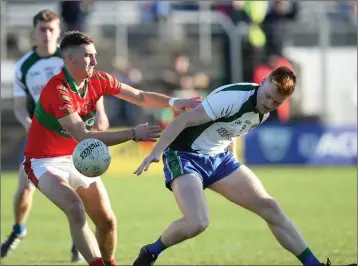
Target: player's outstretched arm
x=74, y=126
x=197, y=116
x=154, y=100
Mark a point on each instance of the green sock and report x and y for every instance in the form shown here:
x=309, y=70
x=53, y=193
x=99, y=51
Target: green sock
x=308, y=259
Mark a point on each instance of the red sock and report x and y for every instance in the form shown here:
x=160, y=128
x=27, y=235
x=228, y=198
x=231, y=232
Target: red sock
x=111, y=262
x=97, y=262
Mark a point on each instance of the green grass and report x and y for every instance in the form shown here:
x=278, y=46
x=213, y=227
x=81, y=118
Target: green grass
x=322, y=203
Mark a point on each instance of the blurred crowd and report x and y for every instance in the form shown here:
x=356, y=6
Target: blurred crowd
x=261, y=48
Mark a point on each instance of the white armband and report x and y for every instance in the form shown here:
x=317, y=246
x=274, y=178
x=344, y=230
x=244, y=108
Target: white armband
x=171, y=101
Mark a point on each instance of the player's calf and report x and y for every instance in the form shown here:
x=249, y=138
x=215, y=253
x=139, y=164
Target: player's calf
x=188, y=191
x=80, y=231
x=98, y=208
x=245, y=189
x=23, y=199
x=281, y=225
x=192, y=227
x=22, y=205
x=61, y=194
x=177, y=232
x=106, y=234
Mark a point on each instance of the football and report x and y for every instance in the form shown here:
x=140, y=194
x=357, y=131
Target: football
x=91, y=157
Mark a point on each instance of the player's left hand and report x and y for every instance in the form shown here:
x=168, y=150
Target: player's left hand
x=101, y=122
x=184, y=104
x=152, y=158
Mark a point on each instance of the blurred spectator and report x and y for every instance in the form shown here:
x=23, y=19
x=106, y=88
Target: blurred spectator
x=346, y=11
x=181, y=68
x=274, y=25
x=354, y=14
x=185, y=5
x=201, y=81
x=261, y=71
x=182, y=81
x=233, y=9
x=183, y=76
x=74, y=14
x=238, y=13
x=155, y=11
x=122, y=112
x=253, y=13
x=171, y=35
x=160, y=10
x=223, y=7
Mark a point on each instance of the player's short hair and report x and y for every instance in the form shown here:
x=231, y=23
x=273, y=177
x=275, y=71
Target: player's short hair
x=44, y=16
x=75, y=38
x=284, y=79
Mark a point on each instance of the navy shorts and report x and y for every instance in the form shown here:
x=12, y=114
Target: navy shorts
x=22, y=157
x=210, y=168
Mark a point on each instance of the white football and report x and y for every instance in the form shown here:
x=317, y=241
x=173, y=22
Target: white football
x=91, y=157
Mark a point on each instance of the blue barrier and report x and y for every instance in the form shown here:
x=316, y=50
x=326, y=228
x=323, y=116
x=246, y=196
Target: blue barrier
x=312, y=144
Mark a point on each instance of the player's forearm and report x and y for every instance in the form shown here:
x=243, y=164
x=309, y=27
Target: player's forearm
x=155, y=100
x=148, y=99
x=23, y=116
x=100, y=105
x=109, y=138
x=170, y=133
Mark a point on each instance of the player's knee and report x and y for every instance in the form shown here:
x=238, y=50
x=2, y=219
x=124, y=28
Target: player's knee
x=108, y=223
x=76, y=213
x=270, y=210
x=25, y=185
x=198, y=226
x=25, y=191
x=29, y=188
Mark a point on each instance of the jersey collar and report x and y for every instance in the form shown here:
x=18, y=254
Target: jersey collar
x=254, y=98
x=56, y=54
x=73, y=85
x=254, y=102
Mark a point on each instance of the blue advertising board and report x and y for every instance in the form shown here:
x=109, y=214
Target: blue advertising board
x=312, y=144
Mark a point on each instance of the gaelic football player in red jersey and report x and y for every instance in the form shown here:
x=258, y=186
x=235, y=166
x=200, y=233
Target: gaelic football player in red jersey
x=32, y=72
x=63, y=117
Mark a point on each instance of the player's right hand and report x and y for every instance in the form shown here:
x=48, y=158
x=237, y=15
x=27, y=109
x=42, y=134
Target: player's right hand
x=144, y=132
x=152, y=158
x=182, y=105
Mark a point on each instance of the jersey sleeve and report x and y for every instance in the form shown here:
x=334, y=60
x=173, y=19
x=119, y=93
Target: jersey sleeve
x=62, y=103
x=220, y=104
x=19, y=86
x=109, y=84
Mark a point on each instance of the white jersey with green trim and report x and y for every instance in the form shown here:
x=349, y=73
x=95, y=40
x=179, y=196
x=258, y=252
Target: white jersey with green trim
x=232, y=109
x=32, y=72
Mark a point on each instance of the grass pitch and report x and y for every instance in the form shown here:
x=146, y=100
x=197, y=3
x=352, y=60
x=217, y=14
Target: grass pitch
x=322, y=202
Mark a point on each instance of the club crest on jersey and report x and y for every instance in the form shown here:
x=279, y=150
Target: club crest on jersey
x=50, y=71
x=34, y=73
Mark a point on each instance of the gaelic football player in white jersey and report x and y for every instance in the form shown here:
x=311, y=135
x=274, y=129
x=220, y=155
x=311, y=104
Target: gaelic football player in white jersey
x=198, y=153
x=33, y=71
